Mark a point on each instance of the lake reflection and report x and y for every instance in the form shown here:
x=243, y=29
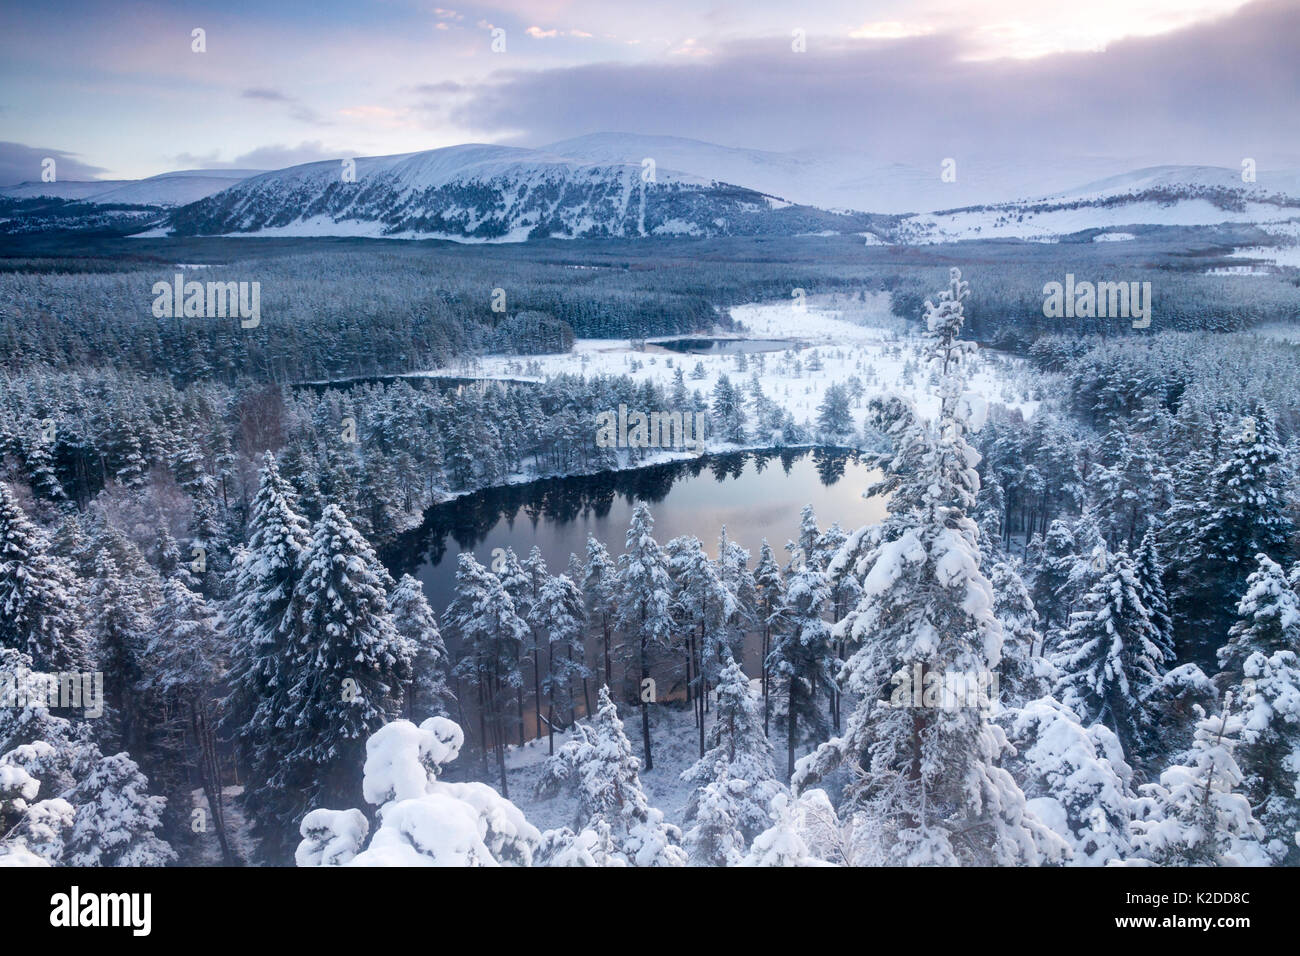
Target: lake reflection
x=755, y=494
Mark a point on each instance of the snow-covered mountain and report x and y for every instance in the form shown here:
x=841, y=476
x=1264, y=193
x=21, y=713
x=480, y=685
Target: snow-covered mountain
x=498, y=193
x=813, y=176
x=630, y=185
x=166, y=189
x=113, y=205
x=1154, y=196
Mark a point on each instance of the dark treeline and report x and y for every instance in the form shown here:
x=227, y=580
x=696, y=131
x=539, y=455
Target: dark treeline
x=351, y=308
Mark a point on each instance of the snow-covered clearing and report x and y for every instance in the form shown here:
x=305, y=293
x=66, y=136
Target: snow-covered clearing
x=884, y=359
x=675, y=744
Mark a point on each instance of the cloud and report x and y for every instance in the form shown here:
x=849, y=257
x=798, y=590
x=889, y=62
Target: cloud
x=439, y=89
x=297, y=109
x=265, y=157
x=22, y=164
x=273, y=96
x=1211, y=92
x=889, y=30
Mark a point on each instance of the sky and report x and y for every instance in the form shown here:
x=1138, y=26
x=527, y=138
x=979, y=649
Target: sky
x=118, y=90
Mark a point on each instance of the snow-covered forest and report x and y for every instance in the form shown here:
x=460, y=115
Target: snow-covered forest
x=1072, y=640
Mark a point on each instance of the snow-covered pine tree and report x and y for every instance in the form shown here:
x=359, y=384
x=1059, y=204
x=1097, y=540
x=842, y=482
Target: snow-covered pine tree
x=559, y=615
x=534, y=569
x=599, y=591
x=1197, y=815
x=834, y=420
x=800, y=664
x=429, y=694
x=1054, y=556
x=423, y=821
x=1075, y=777
x=704, y=606
x=345, y=672
x=598, y=762
x=121, y=626
x=1244, y=513
x=781, y=844
x=1262, y=671
x=166, y=558
x=713, y=837
x=259, y=631
x=1172, y=706
x=519, y=585
x=805, y=551
x=1268, y=621
x=733, y=568
x=728, y=412
x=483, y=618
x=116, y=818
x=1150, y=571
x=927, y=606
x=770, y=594
x=40, y=608
x=42, y=759
x=1109, y=657
x=739, y=751
x=211, y=539
x=644, y=604
x=1025, y=674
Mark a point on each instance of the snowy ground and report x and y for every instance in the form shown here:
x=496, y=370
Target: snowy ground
x=208, y=849
x=868, y=345
x=676, y=746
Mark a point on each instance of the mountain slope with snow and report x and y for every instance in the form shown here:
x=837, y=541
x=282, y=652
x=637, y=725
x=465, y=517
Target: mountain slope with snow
x=1155, y=196
x=497, y=193
x=166, y=189
x=111, y=206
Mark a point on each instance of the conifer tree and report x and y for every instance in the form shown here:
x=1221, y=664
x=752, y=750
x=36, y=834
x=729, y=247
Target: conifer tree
x=1197, y=815
x=599, y=590
x=705, y=606
x=116, y=819
x=1261, y=669
x=728, y=412
x=599, y=763
x=260, y=631
x=558, y=614
x=429, y=694
x=1023, y=674
x=1109, y=657
x=1076, y=779
x=800, y=662
x=644, y=607
x=834, y=420
x=926, y=606
x=738, y=752
x=770, y=595
x=40, y=612
x=1150, y=571
x=346, y=668
x=483, y=618
x=121, y=627
x=185, y=665
x=1244, y=513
